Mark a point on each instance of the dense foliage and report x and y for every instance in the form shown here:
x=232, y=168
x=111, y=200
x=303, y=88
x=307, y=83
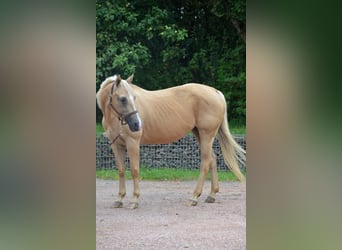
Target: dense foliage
x=168, y=43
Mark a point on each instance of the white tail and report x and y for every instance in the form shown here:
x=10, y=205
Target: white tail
x=232, y=152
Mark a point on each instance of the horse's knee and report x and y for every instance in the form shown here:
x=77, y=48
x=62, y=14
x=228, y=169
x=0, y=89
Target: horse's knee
x=121, y=174
x=135, y=173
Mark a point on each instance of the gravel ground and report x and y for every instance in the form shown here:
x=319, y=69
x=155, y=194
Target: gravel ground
x=164, y=221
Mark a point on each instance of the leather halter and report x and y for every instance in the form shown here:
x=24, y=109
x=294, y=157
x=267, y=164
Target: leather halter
x=114, y=140
x=121, y=116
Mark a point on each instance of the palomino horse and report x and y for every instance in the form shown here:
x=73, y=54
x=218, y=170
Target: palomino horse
x=134, y=116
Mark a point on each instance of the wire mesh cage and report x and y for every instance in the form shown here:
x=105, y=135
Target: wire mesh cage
x=182, y=154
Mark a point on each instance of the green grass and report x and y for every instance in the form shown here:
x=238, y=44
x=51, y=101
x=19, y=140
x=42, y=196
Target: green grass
x=237, y=127
x=99, y=129
x=241, y=130
x=164, y=174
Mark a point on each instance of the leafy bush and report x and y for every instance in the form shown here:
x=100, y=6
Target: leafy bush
x=168, y=43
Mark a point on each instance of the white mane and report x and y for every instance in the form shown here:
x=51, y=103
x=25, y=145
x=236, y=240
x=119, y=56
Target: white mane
x=103, y=84
x=108, y=81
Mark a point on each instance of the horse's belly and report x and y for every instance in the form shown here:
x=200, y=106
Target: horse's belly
x=162, y=137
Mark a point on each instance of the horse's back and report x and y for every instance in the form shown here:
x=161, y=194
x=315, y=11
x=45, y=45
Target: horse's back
x=203, y=93
x=171, y=113
x=187, y=92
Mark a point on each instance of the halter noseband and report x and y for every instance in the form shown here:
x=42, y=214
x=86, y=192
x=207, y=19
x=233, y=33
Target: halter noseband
x=122, y=117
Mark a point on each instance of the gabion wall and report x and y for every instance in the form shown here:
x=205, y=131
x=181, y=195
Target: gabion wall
x=181, y=154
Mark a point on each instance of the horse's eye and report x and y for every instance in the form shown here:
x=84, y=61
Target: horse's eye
x=123, y=100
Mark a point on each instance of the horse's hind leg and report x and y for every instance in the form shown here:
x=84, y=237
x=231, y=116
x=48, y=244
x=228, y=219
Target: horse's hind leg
x=214, y=179
x=206, y=141
x=213, y=170
x=120, y=153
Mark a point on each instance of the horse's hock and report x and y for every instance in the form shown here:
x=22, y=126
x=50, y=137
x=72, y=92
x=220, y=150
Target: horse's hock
x=181, y=154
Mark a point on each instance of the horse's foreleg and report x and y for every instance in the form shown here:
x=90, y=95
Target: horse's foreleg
x=133, y=153
x=119, y=152
x=214, y=179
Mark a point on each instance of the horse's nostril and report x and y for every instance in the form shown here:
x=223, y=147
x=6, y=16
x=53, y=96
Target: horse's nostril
x=134, y=126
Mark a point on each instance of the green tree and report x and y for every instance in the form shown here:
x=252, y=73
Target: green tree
x=167, y=43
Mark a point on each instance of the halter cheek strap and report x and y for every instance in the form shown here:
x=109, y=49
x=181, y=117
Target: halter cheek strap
x=122, y=117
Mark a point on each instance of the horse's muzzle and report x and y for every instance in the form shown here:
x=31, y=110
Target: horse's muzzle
x=134, y=122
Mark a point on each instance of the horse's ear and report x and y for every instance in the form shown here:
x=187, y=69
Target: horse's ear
x=118, y=79
x=130, y=79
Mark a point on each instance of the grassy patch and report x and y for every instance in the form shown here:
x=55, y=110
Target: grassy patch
x=237, y=127
x=238, y=130
x=99, y=129
x=164, y=174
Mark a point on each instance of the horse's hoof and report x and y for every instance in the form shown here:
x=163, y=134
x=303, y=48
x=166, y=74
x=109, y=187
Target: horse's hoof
x=133, y=205
x=210, y=199
x=117, y=204
x=192, y=203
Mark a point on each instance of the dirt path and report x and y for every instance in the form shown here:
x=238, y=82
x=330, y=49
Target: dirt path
x=163, y=221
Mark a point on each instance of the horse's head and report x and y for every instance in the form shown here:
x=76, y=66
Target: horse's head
x=122, y=100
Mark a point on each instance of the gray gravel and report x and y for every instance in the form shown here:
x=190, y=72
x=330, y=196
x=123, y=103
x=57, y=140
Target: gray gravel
x=164, y=221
